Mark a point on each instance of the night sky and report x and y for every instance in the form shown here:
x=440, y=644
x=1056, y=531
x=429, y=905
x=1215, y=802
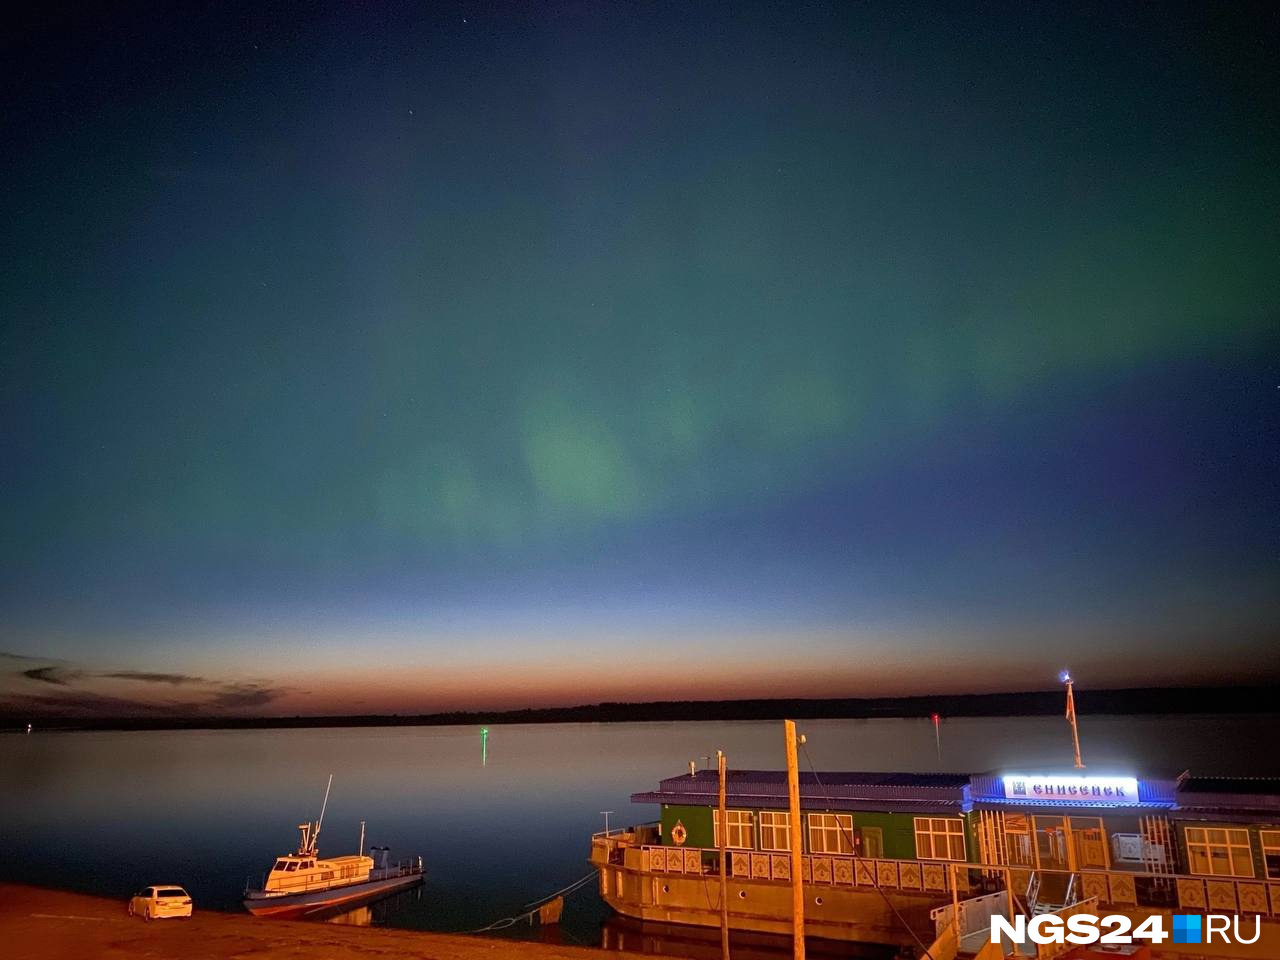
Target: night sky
x=409, y=356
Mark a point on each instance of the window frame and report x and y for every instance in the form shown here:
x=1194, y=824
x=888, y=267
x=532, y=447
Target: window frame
x=1205, y=846
x=739, y=822
x=840, y=826
x=778, y=820
x=945, y=836
x=1270, y=847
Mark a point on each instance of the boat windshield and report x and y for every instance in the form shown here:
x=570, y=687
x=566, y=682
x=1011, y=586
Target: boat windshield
x=280, y=865
x=292, y=867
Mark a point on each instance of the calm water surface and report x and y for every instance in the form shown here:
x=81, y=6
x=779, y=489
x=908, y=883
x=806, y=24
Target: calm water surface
x=106, y=813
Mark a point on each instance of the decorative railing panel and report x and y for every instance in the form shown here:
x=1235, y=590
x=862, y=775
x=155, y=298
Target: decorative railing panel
x=1222, y=894
x=1118, y=888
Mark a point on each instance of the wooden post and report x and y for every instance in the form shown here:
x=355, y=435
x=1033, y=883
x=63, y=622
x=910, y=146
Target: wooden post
x=724, y=876
x=1070, y=839
x=1008, y=889
x=797, y=881
x=955, y=905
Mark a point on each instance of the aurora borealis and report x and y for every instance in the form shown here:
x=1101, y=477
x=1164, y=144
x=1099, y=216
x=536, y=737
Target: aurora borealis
x=412, y=357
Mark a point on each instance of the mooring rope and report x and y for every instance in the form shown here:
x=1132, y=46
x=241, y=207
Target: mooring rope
x=875, y=882
x=534, y=906
x=571, y=888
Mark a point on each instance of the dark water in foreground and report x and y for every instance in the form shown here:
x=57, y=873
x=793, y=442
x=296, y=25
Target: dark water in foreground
x=106, y=813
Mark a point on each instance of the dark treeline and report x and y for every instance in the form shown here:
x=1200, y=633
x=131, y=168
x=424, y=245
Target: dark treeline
x=1039, y=703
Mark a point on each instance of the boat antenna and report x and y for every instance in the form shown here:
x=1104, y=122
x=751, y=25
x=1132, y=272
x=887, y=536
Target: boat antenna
x=319, y=823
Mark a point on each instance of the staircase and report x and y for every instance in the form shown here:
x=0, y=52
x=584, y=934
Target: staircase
x=1050, y=893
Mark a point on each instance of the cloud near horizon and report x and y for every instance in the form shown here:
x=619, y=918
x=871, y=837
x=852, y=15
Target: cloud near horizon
x=85, y=692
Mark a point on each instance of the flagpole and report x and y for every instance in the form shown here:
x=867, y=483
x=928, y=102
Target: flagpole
x=1071, y=717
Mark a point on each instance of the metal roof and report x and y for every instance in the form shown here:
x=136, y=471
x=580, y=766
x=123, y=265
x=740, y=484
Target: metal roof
x=831, y=781
x=1205, y=797
x=922, y=792
x=767, y=802
x=1252, y=786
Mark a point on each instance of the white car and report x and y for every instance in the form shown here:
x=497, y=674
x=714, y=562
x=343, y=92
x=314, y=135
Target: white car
x=154, y=903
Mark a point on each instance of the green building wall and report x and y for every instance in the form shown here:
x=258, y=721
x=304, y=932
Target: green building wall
x=697, y=821
x=898, y=830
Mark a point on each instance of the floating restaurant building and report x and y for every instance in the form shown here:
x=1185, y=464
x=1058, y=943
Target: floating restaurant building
x=884, y=852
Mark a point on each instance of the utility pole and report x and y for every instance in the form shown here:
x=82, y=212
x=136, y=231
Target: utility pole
x=797, y=881
x=724, y=876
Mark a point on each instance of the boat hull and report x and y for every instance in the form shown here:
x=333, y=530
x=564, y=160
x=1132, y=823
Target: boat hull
x=297, y=905
x=764, y=906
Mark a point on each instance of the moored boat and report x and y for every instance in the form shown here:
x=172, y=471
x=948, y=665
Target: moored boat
x=887, y=856
x=303, y=883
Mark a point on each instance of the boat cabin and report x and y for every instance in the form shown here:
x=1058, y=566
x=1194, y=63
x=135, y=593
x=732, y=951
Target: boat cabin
x=297, y=872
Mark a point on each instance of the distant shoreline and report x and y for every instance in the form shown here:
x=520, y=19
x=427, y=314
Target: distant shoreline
x=1138, y=701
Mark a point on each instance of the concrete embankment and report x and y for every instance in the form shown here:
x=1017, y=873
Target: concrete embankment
x=38, y=924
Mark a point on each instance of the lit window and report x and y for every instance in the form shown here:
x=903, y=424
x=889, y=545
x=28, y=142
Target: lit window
x=1271, y=852
x=1219, y=852
x=830, y=833
x=939, y=838
x=741, y=829
x=775, y=830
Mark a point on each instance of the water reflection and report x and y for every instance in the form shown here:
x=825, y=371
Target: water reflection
x=359, y=917
x=374, y=914
x=109, y=812
x=634, y=936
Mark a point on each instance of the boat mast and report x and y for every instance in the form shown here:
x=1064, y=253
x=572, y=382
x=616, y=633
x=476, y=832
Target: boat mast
x=319, y=823
x=311, y=831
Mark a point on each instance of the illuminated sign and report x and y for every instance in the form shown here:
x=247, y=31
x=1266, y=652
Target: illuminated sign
x=1042, y=786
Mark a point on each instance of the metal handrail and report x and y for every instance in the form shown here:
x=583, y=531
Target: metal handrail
x=1033, y=892
x=619, y=831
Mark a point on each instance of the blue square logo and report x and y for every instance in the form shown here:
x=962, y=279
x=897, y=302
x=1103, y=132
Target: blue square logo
x=1186, y=928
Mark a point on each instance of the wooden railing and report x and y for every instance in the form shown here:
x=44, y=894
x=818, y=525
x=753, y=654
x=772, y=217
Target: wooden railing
x=905, y=875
